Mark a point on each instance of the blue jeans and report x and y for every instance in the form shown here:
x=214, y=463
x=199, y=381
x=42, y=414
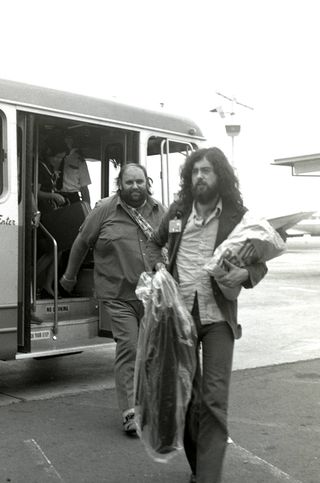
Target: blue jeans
x=206, y=432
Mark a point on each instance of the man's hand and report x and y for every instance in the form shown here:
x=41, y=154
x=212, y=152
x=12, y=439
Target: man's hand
x=67, y=284
x=59, y=199
x=160, y=266
x=234, y=277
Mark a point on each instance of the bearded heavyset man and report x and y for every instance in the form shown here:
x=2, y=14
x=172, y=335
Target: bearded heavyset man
x=208, y=207
x=118, y=229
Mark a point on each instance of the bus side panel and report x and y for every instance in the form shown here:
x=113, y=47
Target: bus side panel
x=8, y=332
x=8, y=264
x=8, y=285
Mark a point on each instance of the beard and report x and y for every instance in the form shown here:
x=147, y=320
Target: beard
x=134, y=197
x=203, y=193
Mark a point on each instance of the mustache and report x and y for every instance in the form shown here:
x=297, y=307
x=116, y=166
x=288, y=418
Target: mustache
x=136, y=190
x=200, y=183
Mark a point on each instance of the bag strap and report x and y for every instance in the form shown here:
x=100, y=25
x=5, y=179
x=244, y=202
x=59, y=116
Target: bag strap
x=139, y=220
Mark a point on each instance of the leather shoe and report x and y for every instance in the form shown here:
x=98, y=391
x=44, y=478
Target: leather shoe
x=129, y=424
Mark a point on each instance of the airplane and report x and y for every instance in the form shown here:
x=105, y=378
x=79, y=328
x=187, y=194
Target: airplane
x=310, y=226
x=297, y=224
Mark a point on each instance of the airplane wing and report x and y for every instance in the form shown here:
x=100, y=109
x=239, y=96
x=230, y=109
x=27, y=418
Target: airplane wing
x=283, y=223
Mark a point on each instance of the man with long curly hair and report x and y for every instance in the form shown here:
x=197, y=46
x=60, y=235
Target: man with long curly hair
x=208, y=207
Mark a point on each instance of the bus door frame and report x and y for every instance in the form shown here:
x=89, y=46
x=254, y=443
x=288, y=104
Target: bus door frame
x=25, y=272
x=106, y=189
x=165, y=169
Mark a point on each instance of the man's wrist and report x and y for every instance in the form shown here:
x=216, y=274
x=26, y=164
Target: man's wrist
x=69, y=279
x=245, y=275
x=159, y=266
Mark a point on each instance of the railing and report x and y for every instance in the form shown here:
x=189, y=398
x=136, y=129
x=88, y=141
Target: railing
x=37, y=224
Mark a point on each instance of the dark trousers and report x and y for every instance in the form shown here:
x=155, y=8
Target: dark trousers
x=206, y=432
x=125, y=322
x=71, y=196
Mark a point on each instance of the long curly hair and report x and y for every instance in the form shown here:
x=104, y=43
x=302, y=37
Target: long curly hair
x=228, y=183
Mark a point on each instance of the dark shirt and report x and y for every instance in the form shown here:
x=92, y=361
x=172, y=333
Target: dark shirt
x=46, y=177
x=46, y=180
x=119, y=246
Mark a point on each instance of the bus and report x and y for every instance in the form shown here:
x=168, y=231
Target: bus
x=110, y=134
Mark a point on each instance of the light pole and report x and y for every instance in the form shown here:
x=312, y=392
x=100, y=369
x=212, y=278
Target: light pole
x=232, y=131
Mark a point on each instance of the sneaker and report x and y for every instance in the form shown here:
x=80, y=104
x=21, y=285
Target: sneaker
x=129, y=424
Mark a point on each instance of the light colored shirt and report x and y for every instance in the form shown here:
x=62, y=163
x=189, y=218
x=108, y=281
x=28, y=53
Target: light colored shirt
x=75, y=172
x=196, y=248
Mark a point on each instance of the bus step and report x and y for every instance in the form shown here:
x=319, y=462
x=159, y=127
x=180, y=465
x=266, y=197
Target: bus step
x=80, y=331
x=96, y=343
x=68, y=309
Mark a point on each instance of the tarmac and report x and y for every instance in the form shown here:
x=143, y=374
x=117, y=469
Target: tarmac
x=59, y=420
x=273, y=421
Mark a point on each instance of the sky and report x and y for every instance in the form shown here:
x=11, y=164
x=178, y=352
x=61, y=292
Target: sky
x=181, y=53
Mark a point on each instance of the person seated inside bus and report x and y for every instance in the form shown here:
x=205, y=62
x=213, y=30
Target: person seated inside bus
x=74, y=175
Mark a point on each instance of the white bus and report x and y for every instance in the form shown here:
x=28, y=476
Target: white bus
x=109, y=134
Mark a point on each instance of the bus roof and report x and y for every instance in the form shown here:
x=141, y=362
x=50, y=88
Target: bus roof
x=31, y=96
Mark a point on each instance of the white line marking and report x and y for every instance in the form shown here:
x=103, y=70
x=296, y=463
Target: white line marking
x=312, y=428
x=42, y=459
x=253, y=459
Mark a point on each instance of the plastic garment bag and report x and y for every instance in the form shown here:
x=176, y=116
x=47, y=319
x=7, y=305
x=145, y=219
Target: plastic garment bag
x=165, y=365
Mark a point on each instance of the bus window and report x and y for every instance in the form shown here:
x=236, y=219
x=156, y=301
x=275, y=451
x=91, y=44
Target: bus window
x=164, y=159
x=114, y=170
x=3, y=152
x=103, y=176
x=94, y=168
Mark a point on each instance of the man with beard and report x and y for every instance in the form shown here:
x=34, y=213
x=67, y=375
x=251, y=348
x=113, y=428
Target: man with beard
x=208, y=207
x=118, y=229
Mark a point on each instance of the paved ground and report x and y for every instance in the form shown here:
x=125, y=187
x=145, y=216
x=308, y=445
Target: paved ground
x=280, y=316
x=274, y=425
x=59, y=420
